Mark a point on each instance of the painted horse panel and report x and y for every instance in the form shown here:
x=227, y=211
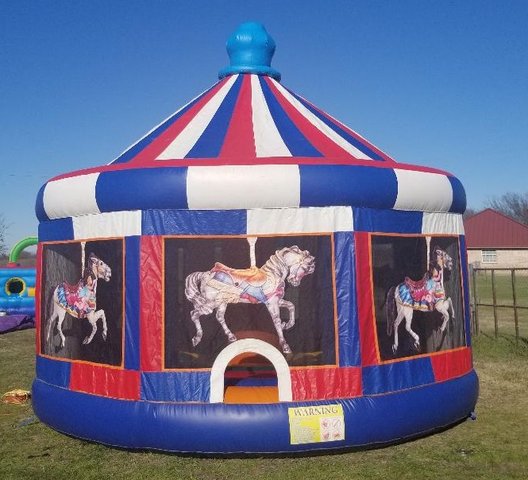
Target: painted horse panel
x=426, y=295
x=213, y=290
x=80, y=301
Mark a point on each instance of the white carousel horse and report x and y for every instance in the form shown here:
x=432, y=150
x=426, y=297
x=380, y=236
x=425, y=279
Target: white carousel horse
x=80, y=301
x=426, y=295
x=222, y=285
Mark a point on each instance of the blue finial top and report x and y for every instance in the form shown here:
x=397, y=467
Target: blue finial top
x=250, y=49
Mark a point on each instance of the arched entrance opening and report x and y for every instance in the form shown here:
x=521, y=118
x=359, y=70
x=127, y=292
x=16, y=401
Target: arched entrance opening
x=250, y=371
x=250, y=378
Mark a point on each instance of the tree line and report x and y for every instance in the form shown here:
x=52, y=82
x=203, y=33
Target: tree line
x=3, y=233
x=513, y=205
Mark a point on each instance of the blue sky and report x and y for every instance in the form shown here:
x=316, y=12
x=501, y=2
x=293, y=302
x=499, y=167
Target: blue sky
x=437, y=83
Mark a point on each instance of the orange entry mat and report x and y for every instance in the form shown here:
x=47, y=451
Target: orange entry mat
x=251, y=395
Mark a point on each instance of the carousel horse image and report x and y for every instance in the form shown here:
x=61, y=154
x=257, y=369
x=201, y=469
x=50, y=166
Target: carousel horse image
x=80, y=300
x=426, y=295
x=222, y=285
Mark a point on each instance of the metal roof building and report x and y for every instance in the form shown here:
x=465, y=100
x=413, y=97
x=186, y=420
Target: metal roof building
x=492, y=229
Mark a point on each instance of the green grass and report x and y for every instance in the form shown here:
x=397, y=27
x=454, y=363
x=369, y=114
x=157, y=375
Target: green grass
x=493, y=447
x=503, y=287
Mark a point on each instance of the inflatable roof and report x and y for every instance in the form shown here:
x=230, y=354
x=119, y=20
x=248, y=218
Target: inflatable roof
x=248, y=129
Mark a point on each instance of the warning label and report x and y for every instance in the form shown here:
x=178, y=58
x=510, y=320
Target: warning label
x=321, y=423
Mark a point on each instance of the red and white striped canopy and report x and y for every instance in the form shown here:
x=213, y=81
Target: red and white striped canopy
x=249, y=119
x=249, y=130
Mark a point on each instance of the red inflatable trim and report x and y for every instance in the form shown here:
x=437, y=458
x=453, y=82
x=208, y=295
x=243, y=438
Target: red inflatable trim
x=366, y=320
x=452, y=364
x=151, y=304
x=105, y=381
x=38, y=297
x=238, y=141
x=326, y=383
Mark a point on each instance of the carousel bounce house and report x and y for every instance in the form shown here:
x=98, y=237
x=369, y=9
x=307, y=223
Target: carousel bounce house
x=252, y=277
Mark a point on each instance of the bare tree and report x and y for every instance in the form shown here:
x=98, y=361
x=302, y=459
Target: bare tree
x=469, y=213
x=515, y=205
x=3, y=234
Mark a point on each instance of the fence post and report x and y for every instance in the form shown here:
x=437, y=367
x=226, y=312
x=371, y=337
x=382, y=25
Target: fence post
x=515, y=315
x=495, y=318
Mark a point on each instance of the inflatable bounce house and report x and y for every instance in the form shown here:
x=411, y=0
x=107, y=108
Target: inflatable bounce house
x=17, y=291
x=252, y=277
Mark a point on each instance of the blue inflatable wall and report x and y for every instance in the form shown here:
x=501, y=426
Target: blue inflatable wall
x=17, y=291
